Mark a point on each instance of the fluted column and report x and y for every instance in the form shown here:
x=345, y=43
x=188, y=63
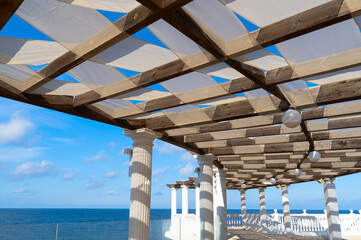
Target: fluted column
x=286, y=208
x=220, y=205
x=141, y=177
x=262, y=206
x=243, y=203
x=206, y=195
x=197, y=200
x=334, y=228
x=184, y=200
x=174, y=202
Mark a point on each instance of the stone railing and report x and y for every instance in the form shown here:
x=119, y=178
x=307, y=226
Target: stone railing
x=302, y=224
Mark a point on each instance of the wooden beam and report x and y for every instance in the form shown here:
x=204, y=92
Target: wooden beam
x=134, y=21
x=326, y=94
x=327, y=14
x=7, y=10
x=314, y=67
x=320, y=112
x=288, y=147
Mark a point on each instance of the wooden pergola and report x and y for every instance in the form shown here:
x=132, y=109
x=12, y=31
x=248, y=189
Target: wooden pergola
x=215, y=88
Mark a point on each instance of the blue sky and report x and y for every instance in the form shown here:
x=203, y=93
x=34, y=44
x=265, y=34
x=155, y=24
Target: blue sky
x=49, y=159
x=53, y=160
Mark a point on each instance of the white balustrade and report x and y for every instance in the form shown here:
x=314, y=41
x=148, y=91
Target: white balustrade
x=302, y=224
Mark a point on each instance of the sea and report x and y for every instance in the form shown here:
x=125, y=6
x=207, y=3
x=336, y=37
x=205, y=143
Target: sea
x=86, y=224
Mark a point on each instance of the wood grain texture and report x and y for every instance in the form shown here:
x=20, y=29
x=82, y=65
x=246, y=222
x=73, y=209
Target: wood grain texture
x=7, y=10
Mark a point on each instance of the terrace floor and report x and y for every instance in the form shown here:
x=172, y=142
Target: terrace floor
x=240, y=234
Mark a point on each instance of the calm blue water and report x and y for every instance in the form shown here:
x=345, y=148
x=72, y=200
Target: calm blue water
x=87, y=224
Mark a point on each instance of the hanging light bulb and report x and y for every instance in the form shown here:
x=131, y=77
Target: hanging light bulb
x=243, y=186
x=314, y=156
x=291, y=118
x=272, y=181
x=298, y=172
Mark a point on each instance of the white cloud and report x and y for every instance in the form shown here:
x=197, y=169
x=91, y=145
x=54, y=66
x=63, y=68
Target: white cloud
x=94, y=185
x=24, y=191
x=15, y=129
x=68, y=176
x=99, y=157
x=172, y=150
x=111, y=174
x=159, y=171
x=187, y=157
x=187, y=170
x=20, y=190
x=112, y=144
x=19, y=154
x=168, y=149
x=34, y=169
x=111, y=193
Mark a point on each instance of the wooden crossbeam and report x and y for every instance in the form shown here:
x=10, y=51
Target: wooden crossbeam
x=320, y=112
x=325, y=94
x=281, y=138
x=310, y=68
x=7, y=10
x=134, y=21
x=269, y=35
x=288, y=147
x=273, y=131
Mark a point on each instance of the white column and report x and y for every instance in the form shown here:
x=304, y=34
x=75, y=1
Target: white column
x=334, y=228
x=243, y=204
x=141, y=177
x=206, y=195
x=286, y=208
x=184, y=200
x=197, y=200
x=220, y=205
x=262, y=206
x=174, y=202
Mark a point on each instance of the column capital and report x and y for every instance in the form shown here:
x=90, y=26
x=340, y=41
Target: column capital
x=184, y=187
x=142, y=136
x=206, y=159
x=261, y=188
x=284, y=186
x=328, y=180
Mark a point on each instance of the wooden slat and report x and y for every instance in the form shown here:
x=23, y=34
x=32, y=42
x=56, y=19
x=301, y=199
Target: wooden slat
x=317, y=66
x=313, y=19
x=134, y=21
x=326, y=94
x=250, y=135
x=7, y=10
x=288, y=147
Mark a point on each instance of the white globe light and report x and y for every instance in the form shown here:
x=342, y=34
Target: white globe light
x=291, y=118
x=272, y=180
x=243, y=186
x=314, y=156
x=298, y=172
